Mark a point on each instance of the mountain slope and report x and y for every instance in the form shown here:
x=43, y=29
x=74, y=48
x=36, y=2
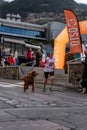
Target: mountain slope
x=23, y=7
x=41, y=5
x=20, y=6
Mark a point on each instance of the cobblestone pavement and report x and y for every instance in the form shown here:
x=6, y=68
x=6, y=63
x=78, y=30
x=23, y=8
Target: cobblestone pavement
x=61, y=109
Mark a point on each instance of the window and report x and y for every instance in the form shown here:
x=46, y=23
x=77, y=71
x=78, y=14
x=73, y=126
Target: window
x=23, y=32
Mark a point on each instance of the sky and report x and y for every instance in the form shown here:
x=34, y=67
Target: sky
x=78, y=1
x=8, y=0
x=81, y=1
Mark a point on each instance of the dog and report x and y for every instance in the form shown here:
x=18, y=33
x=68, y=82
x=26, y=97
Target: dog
x=29, y=80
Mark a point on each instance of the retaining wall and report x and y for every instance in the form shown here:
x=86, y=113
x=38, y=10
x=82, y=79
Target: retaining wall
x=17, y=73
x=9, y=72
x=74, y=71
x=60, y=78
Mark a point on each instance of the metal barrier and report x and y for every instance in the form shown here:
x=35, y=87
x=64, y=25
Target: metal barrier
x=74, y=70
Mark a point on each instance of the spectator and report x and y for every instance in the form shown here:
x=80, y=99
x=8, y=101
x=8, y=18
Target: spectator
x=16, y=58
x=84, y=74
x=16, y=54
x=0, y=54
x=38, y=57
x=17, y=61
x=11, y=60
x=29, y=57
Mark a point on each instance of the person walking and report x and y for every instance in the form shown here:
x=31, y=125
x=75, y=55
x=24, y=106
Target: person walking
x=49, y=70
x=84, y=74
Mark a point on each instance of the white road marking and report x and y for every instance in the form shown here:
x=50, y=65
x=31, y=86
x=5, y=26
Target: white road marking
x=4, y=84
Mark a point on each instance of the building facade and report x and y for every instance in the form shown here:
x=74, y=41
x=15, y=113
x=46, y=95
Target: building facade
x=14, y=33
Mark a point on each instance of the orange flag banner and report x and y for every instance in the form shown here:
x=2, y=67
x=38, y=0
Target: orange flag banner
x=73, y=32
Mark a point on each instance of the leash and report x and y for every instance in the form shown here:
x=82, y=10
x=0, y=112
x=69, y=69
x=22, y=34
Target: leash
x=25, y=64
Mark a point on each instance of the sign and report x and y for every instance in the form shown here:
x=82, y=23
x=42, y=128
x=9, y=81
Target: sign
x=73, y=32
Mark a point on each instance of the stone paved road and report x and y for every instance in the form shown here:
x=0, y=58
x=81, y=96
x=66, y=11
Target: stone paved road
x=61, y=109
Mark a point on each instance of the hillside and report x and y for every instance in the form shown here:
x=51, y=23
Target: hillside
x=26, y=7
x=20, y=6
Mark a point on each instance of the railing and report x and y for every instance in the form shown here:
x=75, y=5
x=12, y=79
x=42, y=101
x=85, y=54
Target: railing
x=76, y=60
x=73, y=70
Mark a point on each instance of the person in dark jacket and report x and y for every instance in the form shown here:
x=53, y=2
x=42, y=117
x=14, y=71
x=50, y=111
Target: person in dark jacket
x=1, y=54
x=84, y=74
x=38, y=57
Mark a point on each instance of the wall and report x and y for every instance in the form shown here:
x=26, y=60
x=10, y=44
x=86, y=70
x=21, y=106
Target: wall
x=74, y=71
x=60, y=78
x=9, y=72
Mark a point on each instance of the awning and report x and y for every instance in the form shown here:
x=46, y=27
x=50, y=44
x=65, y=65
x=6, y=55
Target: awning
x=21, y=42
x=32, y=46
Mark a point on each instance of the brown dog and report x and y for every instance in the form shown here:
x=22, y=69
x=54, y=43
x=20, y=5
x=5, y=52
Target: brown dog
x=29, y=80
